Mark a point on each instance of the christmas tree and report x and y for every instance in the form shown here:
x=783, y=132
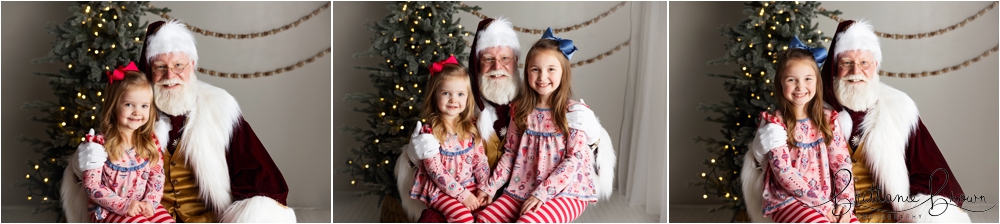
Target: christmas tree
x=754, y=45
x=99, y=37
x=413, y=36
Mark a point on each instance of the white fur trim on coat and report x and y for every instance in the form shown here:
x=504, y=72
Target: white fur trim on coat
x=173, y=36
x=258, y=209
x=605, y=161
x=846, y=123
x=207, y=132
x=885, y=132
x=752, y=178
x=500, y=33
x=485, y=123
x=405, y=177
x=74, y=198
x=859, y=36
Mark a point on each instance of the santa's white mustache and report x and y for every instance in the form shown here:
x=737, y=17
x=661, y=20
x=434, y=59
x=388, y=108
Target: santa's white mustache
x=169, y=82
x=497, y=73
x=854, y=78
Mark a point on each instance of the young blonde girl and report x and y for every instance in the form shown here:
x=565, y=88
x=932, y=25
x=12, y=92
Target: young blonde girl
x=129, y=186
x=449, y=181
x=808, y=177
x=546, y=164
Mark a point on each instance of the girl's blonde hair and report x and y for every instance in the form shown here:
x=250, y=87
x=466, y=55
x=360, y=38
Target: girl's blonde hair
x=466, y=125
x=142, y=139
x=558, y=101
x=814, y=108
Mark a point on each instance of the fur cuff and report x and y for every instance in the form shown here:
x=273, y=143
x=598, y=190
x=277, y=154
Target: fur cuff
x=936, y=209
x=258, y=209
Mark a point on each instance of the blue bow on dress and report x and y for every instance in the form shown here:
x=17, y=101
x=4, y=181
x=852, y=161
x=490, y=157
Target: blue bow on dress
x=565, y=45
x=818, y=53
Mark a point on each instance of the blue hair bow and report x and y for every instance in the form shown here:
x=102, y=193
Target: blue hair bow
x=565, y=45
x=818, y=53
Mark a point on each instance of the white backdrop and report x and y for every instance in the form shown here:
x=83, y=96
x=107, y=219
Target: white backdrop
x=289, y=112
x=959, y=108
x=601, y=84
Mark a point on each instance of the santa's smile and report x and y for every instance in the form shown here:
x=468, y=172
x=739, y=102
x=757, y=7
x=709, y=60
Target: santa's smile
x=497, y=76
x=171, y=85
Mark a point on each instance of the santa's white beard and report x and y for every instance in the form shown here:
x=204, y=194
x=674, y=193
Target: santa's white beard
x=175, y=101
x=858, y=96
x=499, y=91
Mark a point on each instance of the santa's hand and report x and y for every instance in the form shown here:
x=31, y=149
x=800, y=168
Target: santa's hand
x=771, y=136
x=580, y=117
x=90, y=155
x=424, y=145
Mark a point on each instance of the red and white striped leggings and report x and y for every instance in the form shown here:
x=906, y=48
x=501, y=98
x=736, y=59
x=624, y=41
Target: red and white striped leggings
x=159, y=216
x=800, y=213
x=557, y=210
x=452, y=209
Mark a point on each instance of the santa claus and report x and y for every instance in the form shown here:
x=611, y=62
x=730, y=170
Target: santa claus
x=217, y=169
x=900, y=174
x=493, y=64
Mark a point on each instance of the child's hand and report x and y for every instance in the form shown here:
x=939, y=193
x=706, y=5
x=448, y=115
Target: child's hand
x=471, y=202
x=134, y=208
x=484, y=198
x=530, y=205
x=147, y=209
x=840, y=214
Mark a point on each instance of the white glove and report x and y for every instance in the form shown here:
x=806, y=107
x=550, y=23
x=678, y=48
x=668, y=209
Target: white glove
x=424, y=145
x=580, y=117
x=90, y=155
x=771, y=136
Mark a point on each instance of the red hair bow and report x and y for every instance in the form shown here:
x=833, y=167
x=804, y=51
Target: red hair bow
x=437, y=66
x=119, y=73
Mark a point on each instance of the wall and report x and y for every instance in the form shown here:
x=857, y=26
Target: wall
x=24, y=40
x=953, y=107
x=694, y=40
x=601, y=84
x=289, y=112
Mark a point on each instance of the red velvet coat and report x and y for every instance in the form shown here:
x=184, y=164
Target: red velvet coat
x=251, y=170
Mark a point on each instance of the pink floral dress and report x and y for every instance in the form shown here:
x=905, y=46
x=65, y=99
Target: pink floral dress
x=544, y=162
x=113, y=187
x=803, y=172
x=459, y=168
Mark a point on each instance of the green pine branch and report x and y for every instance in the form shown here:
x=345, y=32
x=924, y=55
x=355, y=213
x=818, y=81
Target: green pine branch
x=99, y=36
x=754, y=46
